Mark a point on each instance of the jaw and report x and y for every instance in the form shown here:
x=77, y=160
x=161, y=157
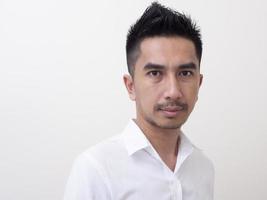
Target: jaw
x=160, y=123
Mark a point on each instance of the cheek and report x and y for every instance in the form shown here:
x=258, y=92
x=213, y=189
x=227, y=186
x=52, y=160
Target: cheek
x=147, y=96
x=190, y=93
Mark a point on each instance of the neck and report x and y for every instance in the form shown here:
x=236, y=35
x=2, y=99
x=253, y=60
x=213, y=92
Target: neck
x=164, y=141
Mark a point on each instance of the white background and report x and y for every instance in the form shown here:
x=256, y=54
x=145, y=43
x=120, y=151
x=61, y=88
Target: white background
x=61, y=90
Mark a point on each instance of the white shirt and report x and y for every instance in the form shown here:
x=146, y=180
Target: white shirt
x=127, y=167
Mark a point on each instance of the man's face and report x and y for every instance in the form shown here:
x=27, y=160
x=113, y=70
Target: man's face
x=166, y=81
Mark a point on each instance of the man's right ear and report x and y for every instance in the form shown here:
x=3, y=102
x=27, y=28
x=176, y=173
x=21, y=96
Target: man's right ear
x=129, y=84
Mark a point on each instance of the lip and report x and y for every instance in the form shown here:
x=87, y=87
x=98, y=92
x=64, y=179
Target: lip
x=171, y=111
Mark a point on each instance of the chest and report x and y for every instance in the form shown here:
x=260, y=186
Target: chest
x=149, y=179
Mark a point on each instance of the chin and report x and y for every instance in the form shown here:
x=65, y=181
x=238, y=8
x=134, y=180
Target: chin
x=170, y=126
x=166, y=124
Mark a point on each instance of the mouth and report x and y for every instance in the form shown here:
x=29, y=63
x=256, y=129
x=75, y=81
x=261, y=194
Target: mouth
x=171, y=111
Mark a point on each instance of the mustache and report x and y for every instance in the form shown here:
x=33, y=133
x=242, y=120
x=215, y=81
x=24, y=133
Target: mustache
x=162, y=106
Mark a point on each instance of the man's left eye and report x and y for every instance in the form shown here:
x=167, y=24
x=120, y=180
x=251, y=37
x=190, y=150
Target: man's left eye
x=186, y=73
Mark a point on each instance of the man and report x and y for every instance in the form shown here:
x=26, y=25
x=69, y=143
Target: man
x=152, y=159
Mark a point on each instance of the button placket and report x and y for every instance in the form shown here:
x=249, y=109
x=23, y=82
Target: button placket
x=176, y=189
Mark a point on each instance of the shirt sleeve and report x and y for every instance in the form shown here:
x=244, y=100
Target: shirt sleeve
x=86, y=181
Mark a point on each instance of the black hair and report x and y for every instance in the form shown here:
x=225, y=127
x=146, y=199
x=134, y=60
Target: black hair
x=158, y=20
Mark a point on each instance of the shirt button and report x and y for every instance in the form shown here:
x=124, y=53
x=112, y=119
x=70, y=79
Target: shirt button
x=176, y=189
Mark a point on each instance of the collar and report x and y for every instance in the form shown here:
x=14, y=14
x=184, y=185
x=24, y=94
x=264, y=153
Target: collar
x=185, y=149
x=135, y=140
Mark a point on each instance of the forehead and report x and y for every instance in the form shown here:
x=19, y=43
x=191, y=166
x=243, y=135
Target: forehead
x=167, y=51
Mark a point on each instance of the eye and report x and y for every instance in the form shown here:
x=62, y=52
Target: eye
x=185, y=73
x=154, y=73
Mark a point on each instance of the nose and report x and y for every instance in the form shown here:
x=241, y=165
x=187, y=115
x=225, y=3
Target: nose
x=172, y=89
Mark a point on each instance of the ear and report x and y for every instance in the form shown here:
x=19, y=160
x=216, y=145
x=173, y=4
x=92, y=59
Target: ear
x=200, y=79
x=129, y=84
x=200, y=83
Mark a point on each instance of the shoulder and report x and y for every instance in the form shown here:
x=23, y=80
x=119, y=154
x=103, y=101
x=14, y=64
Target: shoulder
x=89, y=177
x=198, y=160
x=104, y=154
x=200, y=156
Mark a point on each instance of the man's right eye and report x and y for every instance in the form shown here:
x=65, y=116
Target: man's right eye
x=154, y=73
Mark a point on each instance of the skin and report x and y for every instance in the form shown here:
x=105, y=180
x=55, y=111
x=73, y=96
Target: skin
x=165, y=89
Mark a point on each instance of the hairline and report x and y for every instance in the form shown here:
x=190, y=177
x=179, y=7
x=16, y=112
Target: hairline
x=136, y=49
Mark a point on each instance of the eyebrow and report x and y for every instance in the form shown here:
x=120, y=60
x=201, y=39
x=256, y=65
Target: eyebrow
x=190, y=65
x=150, y=66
